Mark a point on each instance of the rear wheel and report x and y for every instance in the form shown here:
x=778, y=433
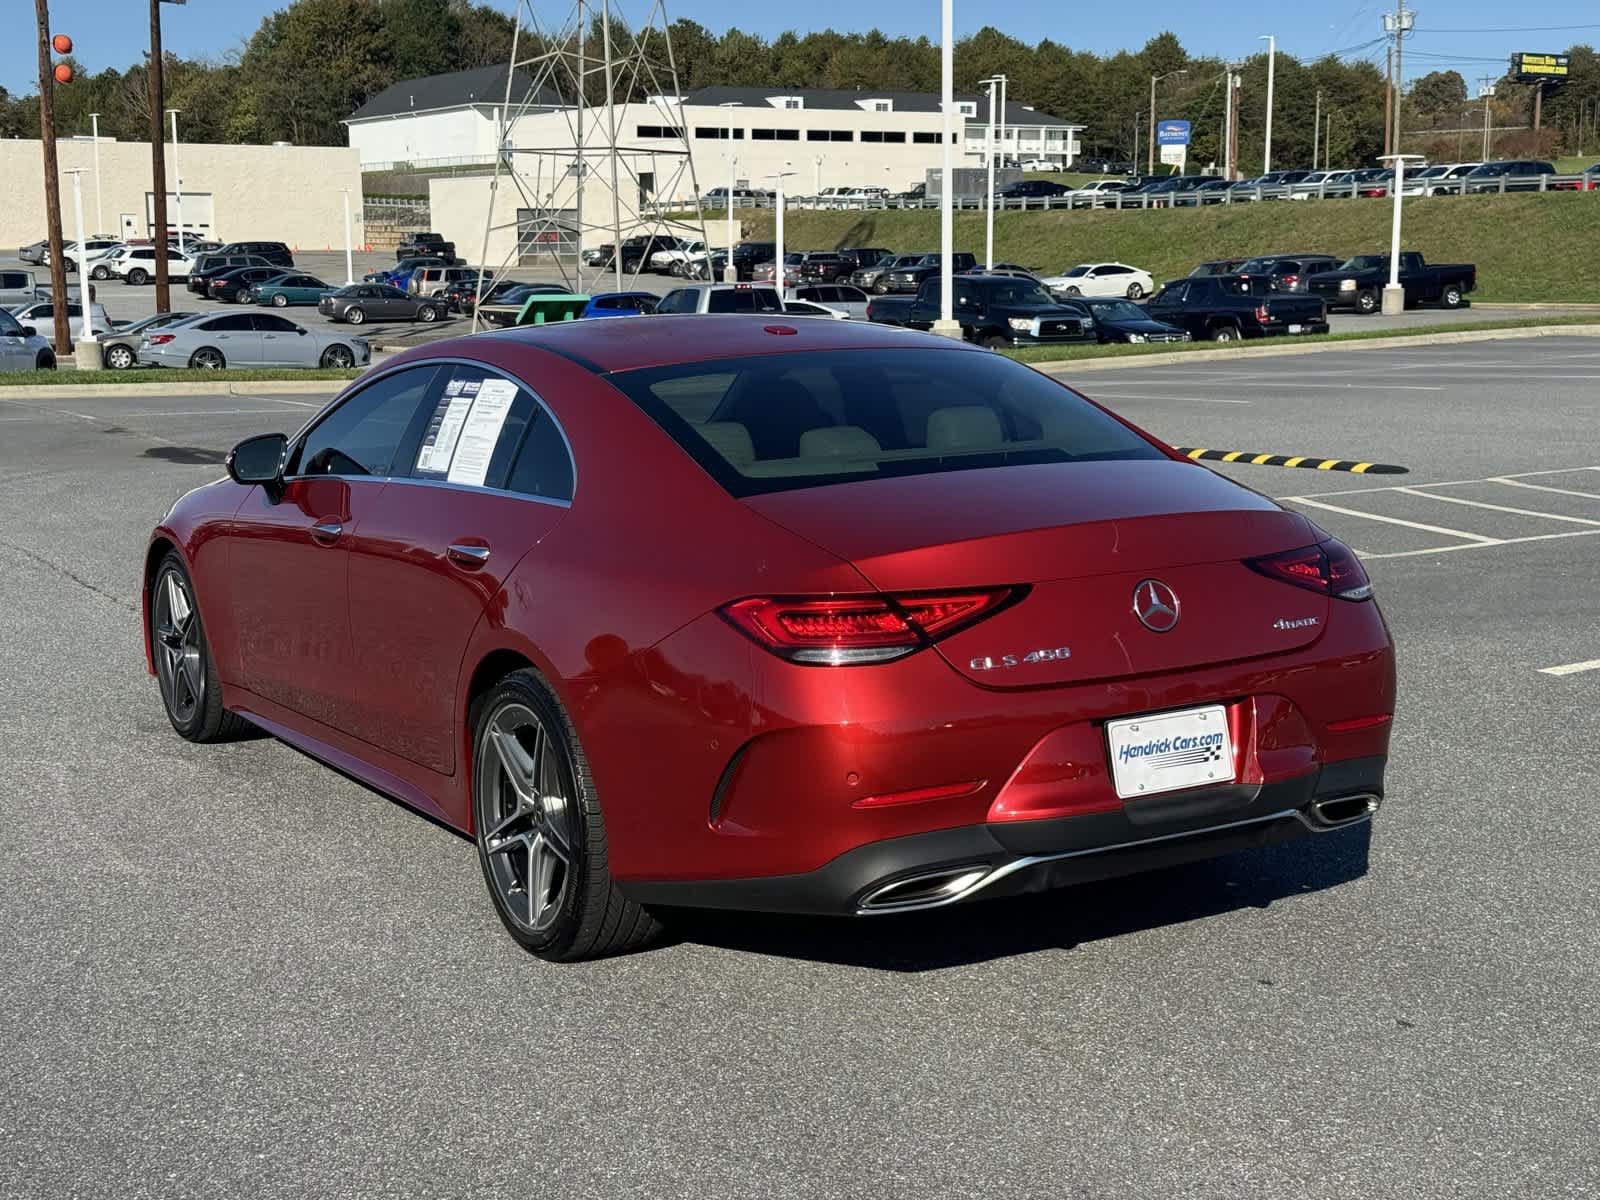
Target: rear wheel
x=138, y=277
x=338, y=357
x=355, y=316
x=1072, y=290
x=1225, y=333
x=1369, y=302
x=190, y=691
x=279, y=300
x=119, y=358
x=1136, y=291
x=45, y=362
x=541, y=840
x=207, y=359
x=1452, y=296
x=100, y=272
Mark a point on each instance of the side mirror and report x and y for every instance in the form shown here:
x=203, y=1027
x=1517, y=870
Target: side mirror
x=300, y=329
x=259, y=460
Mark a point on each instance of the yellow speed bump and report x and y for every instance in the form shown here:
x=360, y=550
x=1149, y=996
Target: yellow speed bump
x=1306, y=461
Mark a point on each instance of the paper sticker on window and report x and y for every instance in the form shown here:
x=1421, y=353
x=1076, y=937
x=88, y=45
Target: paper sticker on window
x=444, y=429
x=475, y=445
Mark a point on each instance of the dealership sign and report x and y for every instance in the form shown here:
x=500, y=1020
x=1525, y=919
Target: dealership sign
x=1532, y=68
x=1176, y=133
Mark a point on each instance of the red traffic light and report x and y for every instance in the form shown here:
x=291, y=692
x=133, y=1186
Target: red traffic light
x=63, y=73
x=63, y=45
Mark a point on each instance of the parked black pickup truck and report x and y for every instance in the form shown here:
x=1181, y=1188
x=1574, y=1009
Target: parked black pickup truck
x=1222, y=308
x=1359, y=283
x=909, y=279
x=993, y=310
x=416, y=245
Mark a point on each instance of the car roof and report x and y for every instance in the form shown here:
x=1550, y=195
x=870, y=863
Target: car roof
x=671, y=340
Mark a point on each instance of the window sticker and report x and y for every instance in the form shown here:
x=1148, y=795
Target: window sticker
x=439, y=444
x=479, y=435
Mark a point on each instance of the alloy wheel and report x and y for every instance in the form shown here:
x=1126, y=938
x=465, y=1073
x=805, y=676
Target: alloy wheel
x=279, y=300
x=179, y=652
x=119, y=358
x=1135, y=291
x=338, y=356
x=207, y=360
x=355, y=316
x=526, y=802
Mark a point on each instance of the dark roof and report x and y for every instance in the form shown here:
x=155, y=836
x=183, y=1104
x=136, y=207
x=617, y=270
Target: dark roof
x=849, y=99
x=458, y=89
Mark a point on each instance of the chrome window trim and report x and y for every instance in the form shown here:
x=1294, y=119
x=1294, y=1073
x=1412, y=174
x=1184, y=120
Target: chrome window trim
x=365, y=382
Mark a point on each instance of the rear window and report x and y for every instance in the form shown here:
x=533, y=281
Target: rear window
x=775, y=423
x=744, y=300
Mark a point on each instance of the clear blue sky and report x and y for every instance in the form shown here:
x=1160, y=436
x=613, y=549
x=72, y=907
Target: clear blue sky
x=109, y=32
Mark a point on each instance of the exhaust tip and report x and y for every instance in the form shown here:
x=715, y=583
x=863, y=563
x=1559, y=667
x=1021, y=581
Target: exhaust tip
x=927, y=890
x=1345, y=810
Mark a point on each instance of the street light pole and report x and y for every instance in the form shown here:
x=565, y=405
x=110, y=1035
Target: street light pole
x=730, y=273
x=780, y=203
x=988, y=245
x=946, y=323
x=1316, y=132
x=1272, y=65
x=1394, y=296
x=86, y=348
x=99, y=217
x=177, y=174
x=349, y=249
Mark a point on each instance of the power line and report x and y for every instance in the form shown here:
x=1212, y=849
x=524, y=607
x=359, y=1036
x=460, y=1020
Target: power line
x=1518, y=29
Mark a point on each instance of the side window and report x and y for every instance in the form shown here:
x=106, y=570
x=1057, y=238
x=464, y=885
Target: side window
x=543, y=466
x=44, y=312
x=474, y=431
x=679, y=301
x=232, y=324
x=369, y=432
x=267, y=323
x=8, y=325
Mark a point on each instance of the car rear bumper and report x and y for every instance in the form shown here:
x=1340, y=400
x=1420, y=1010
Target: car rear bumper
x=951, y=866
x=1277, y=329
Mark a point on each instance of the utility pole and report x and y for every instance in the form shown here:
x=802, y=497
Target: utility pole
x=1316, y=132
x=1538, y=106
x=158, y=158
x=1272, y=64
x=1327, y=145
x=52, y=188
x=1486, y=94
x=1397, y=24
x=1235, y=85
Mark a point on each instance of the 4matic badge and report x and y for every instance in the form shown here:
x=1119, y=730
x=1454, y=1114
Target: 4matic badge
x=1007, y=661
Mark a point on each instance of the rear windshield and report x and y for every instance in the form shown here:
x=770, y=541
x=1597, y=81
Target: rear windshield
x=744, y=300
x=777, y=423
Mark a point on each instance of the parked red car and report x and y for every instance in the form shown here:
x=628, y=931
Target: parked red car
x=812, y=616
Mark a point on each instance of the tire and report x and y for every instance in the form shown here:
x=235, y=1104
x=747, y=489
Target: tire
x=1225, y=333
x=338, y=357
x=1136, y=291
x=537, y=823
x=191, y=693
x=993, y=342
x=100, y=272
x=355, y=316
x=1451, y=296
x=279, y=300
x=1368, y=302
x=207, y=358
x=1072, y=291
x=138, y=277
x=427, y=314
x=45, y=362
x=118, y=358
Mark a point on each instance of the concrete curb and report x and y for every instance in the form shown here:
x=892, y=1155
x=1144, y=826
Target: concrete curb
x=266, y=387
x=1399, y=341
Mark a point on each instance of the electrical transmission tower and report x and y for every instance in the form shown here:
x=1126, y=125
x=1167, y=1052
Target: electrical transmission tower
x=572, y=164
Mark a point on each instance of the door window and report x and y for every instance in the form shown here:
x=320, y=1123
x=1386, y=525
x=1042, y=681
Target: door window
x=9, y=326
x=267, y=323
x=239, y=323
x=11, y=280
x=543, y=466
x=680, y=301
x=474, y=433
x=370, y=432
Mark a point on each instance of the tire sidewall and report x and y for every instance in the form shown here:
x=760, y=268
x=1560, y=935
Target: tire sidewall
x=1367, y=302
x=355, y=316
x=208, y=713
x=119, y=353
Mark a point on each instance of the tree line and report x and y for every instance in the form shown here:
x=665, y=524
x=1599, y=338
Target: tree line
x=313, y=63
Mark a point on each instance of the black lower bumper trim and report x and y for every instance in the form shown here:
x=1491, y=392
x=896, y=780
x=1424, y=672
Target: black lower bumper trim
x=1028, y=856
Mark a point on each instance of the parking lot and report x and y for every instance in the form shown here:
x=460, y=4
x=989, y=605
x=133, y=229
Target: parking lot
x=233, y=972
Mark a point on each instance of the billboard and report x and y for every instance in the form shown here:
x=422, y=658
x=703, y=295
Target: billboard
x=1176, y=133
x=1533, y=68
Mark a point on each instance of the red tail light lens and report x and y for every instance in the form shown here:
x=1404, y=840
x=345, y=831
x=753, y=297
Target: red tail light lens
x=1330, y=568
x=161, y=339
x=1289, y=281
x=1262, y=314
x=853, y=630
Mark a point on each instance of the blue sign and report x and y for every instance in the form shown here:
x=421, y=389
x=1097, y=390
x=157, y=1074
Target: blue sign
x=1172, y=133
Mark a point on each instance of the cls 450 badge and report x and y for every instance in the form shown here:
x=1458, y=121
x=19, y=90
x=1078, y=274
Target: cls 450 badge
x=1007, y=661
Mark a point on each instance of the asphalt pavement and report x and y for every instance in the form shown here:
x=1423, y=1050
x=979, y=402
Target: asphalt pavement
x=230, y=971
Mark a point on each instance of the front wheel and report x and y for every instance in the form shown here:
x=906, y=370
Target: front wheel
x=1452, y=296
x=1369, y=302
x=279, y=300
x=190, y=691
x=427, y=314
x=45, y=362
x=207, y=359
x=119, y=358
x=355, y=316
x=338, y=357
x=1136, y=291
x=100, y=272
x=541, y=840
x=1072, y=291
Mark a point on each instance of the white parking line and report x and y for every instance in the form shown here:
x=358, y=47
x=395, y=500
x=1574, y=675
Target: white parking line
x=1521, y=512
x=1540, y=487
x=1572, y=668
x=1484, y=545
x=1356, y=512
x=1400, y=487
x=1343, y=387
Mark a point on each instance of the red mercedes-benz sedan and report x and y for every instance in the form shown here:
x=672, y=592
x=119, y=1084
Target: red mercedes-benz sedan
x=807, y=616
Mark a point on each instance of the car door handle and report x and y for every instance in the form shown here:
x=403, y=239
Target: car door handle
x=467, y=555
x=327, y=532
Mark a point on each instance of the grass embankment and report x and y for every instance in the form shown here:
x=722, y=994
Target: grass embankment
x=1074, y=353
x=1527, y=248
x=161, y=377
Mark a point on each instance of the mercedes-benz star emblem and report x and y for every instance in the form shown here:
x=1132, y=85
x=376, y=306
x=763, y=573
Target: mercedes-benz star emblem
x=1156, y=606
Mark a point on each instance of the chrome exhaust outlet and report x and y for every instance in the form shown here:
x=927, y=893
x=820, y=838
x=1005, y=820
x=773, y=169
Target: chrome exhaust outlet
x=931, y=889
x=1345, y=810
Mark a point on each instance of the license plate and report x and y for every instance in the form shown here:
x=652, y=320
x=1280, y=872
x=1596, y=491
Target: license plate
x=1297, y=329
x=1169, y=752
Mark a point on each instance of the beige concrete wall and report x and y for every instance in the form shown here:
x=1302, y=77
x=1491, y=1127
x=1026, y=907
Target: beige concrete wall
x=279, y=193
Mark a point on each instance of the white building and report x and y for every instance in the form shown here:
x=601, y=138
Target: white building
x=439, y=120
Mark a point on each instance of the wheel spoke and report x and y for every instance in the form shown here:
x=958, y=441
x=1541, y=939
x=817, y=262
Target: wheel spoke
x=517, y=763
x=542, y=867
x=499, y=832
x=177, y=602
x=554, y=827
x=192, y=678
x=499, y=845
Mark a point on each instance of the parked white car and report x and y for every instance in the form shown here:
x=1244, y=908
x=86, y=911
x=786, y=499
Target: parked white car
x=137, y=265
x=843, y=298
x=1096, y=192
x=662, y=260
x=866, y=195
x=1102, y=279
x=94, y=247
x=100, y=260
x=1043, y=164
x=40, y=318
x=1441, y=179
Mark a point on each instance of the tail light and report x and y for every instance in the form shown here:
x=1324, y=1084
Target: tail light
x=1289, y=281
x=842, y=631
x=160, y=339
x=1330, y=567
x=1263, y=313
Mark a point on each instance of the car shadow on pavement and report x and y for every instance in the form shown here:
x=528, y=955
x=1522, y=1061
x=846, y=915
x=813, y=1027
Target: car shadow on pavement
x=1058, y=920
